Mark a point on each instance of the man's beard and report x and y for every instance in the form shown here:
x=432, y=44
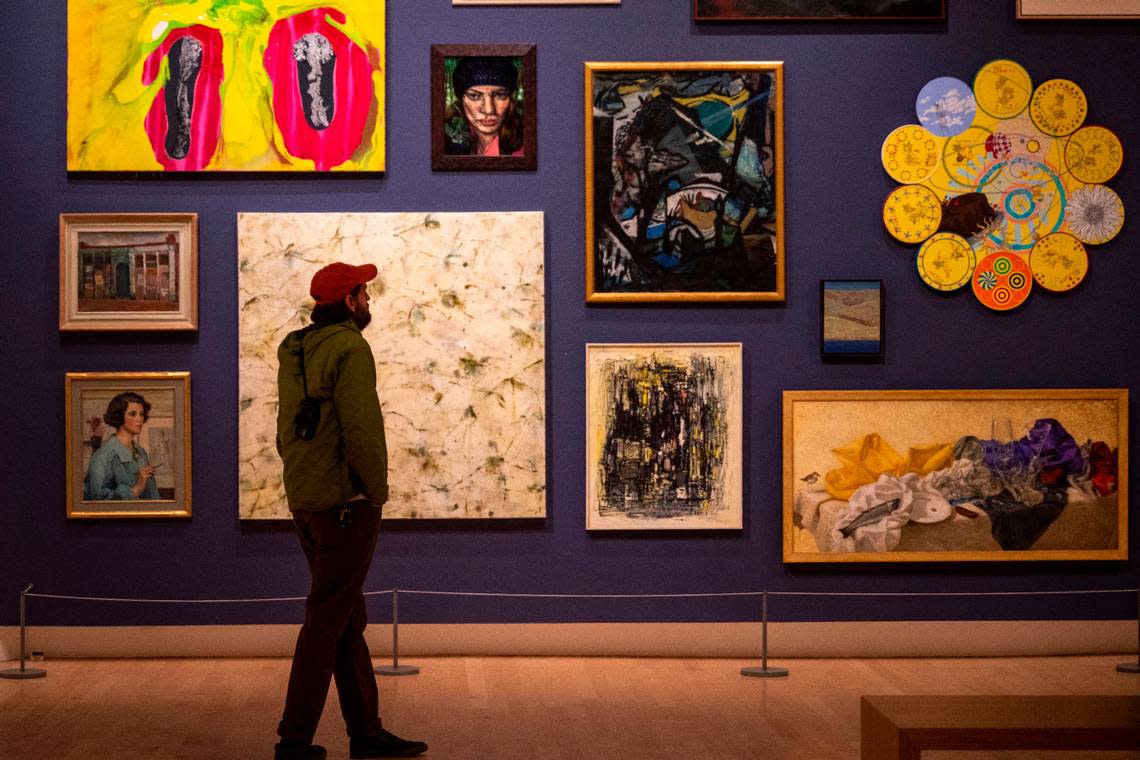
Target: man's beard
x=361, y=319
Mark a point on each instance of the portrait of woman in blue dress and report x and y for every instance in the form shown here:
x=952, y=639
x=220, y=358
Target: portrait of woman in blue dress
x=120, y=468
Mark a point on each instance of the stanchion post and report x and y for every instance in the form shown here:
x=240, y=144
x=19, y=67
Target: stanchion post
x=23, y=672
x=764, y=671
x=396, y=669
x=1133, y=667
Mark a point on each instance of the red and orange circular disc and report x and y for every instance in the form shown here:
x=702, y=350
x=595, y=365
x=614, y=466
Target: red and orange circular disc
x=1002, y=281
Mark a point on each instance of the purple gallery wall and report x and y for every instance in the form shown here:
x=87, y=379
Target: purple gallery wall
x=847, y=86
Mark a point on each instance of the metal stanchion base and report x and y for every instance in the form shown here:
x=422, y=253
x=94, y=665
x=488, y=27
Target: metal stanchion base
x=1128, y=667
x=25, y=673
x=397, y=670
x=764, y=672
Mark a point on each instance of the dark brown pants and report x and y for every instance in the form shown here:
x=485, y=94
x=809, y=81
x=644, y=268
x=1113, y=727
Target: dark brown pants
x=331, y=642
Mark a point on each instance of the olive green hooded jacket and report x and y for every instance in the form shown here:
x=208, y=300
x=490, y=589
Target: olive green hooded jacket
x=348, y=456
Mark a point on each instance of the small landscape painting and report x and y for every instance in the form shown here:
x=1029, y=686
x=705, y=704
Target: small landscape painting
x=851, y=319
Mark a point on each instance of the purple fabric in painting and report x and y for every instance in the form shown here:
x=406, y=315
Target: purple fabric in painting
x=1052, y=445
x=1005, y=457
x=1047, y=444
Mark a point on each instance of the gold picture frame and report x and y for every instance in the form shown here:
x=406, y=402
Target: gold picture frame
x=955, y=475
x=1076, y=9
x=108, y=447
x=657, y=233
x=121, y=272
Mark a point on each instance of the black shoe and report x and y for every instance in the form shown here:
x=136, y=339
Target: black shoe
x=384, y=744
x=295, y=751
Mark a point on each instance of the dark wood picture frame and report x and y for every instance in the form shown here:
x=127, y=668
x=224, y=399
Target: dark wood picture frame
x=524, y=97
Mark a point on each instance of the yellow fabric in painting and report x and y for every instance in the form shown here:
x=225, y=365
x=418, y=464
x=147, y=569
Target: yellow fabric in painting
x=866, y=458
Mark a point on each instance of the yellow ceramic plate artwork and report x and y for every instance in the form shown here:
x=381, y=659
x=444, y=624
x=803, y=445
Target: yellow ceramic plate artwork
x=946, y=261
x=1002, y=88
x=911, y=153
x=1094, y=155
x=912, y=213
x=1058, y=107
x=1059, y=262
x=1026, y=177
x=964, y=151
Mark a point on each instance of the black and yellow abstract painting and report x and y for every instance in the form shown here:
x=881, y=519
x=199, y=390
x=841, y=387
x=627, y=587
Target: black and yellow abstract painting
x=663, y=423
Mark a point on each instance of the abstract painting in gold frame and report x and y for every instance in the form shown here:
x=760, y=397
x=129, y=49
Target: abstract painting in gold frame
x=684, y=181
x=663, y=429
x=955, y=475
x=128, y=444
x=128, y=272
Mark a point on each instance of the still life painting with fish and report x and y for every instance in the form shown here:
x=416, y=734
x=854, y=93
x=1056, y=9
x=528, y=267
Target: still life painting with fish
x=940, y=475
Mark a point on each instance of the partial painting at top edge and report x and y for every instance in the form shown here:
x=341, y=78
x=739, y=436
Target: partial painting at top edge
x=817, y=10
x=536, y=2
x=228, y=85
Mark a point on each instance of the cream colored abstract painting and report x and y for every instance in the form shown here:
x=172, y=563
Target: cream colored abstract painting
x=458, y=334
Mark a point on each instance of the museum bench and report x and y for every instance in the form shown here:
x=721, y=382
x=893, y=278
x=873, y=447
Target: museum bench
x=900, y=727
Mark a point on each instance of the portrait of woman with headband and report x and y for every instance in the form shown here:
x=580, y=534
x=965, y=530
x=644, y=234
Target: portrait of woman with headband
x=484, y=118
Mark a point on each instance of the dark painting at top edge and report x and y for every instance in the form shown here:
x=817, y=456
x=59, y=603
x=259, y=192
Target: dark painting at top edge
x=819, y=10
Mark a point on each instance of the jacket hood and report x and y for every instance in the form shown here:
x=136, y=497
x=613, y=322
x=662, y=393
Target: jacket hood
x=309, y=338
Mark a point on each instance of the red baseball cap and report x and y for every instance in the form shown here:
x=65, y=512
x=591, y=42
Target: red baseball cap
x=335, y=281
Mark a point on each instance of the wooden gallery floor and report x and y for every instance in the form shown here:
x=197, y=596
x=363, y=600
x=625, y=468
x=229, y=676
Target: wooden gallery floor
x=508, y=708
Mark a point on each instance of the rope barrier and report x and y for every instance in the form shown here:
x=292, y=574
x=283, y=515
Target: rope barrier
x=397, y=669
x=580, y=596
x=187, y=601
x=714, y=594
x=955, y=593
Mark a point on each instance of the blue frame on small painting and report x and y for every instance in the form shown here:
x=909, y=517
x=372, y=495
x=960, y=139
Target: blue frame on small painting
x=851, y=319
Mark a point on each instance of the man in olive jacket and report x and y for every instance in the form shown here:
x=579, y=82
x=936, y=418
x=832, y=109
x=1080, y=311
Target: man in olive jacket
x=330, y=435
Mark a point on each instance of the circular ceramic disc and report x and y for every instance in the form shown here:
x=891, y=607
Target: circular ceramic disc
x=1058, y=107
x=946, y=261
x=964, y=154
x=910, y=154
x=1059, y=262
x=912, y=213
x=1095, y=214
x=1094, y=154
x=1002, y=88
x=945, y=106
x=1002, y=281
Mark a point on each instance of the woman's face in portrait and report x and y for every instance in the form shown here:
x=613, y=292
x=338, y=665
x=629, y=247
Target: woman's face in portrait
x=485, y=107
x=134, y=418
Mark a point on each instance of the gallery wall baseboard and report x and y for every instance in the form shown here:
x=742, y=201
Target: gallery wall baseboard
x=846, y=639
